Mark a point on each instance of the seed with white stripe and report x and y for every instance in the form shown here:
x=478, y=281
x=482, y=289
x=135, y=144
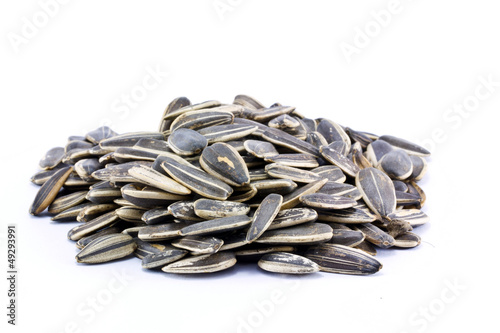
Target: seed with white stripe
x=107, y=248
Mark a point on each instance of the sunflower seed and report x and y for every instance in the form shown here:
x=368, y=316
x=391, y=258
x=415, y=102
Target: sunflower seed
x=234, y=240
x=85, y=167
x=377, y=190
x=375, y=235
x=367, y=247
x=332, y=172
x=293, y=199
x=184, y=210
x=198, y=244
x=413, y=216
x=156, y=216
x=174, y=105
x=398, y=227
x=350, y=215
x=332, y=132
x=147, y=196
x=144, y=248
x=264, y=216
x=407, y=240
x=216, y=225
x=223, y=133
x=294, y=160
x=52, y=158
x=48, y=192
x=174, y=113
x=342, y=259
x=327, y=201
x=70, y=214
x=92, y=210
x=340, y=189
x=100, y=134
x=336, y=158
x=103, y=195
x=128, y=139
x=295, y=174
x=153, y=178
x=407, y=199
x=397, y=164
x=184, y=141
x=90, y=227
x=293, y=216
x=363, y=139
x=284, y=122
x=196, y=120
x=283, y=139
x=163, y=258
x=419, y=168
x=160, y=232
x=304, y=234
x=409, y=147
x=400, y=186
x=248, y=102
x=64, y=202
x=340, y=146
x=212, y=209
x=347, y=237
x=223, y=162
x=287, y=263
x=207, y=263
x=82, y=242
x=130, y=214
x=316, y=139
x=107, y=248
x=376, y=150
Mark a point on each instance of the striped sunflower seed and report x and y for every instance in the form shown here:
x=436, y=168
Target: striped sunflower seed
x=225, y=163
x=212, y=209
x=48, y=192
x=377, y=190
x=107, y=248
x=207, y=263
x=287, y=263
x=64, y=202
x=327, y=201
x=52, y=158
x=304, y=234
x=163, y=258
x=198, y=245
x=216, y=225
x=186, y=142
x=264, y=216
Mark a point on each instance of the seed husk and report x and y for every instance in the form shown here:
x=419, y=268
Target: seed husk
x=332, y=132
x=340, y=146
x=336, y=158
x=375, y=235
x=163, y=258
x=327, y=201
x=341, y=189
x=234, y=240
x=352, y=215
x=280, y=186
x=197, y=180
x=52, y=158
x=211, y=209
x=100, y=134
x=342, y=259
x=145, y=248
x=294, y=160
x=316, y=139
x=85, y=167
x=174, y=105
x=62, y=203
x=284, y=121
x=130, y=154
x=184, y=210
x=347, y=237
x=100, y=222
x=293, y=199
x=130, y=214
x=304, y=234
x=331, y=172
x=223, y=133
x=92, y=210
x=207, y=263
x=293, y=216
x=248, y=102
x=107, y=248
x=128, y=139
x=407, y=199
x=48, y=192
x=410, y=147
x=283, y=139
x=277, y=170
x=287, y=263
x=153, y=178
x=376, y=150
x=397, y=164
x=260, y=149
x=147, y=196
x=264, y=216
x=413, y=216
x=174, y=113
x=82, y=242
x=407, y=240
x=266, y=114
x=377, y=190
x=186, y=142
x=70, y=214
x=400, y=186
x=419, y=167
x=225, y=163
x=367, y=247
x=198, y=245
x=160, y=232
x=199, y=119
x=156, y=216
x=216, y=225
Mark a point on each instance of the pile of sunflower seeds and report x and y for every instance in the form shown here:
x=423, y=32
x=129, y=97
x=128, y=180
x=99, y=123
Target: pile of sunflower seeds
x=219, y=183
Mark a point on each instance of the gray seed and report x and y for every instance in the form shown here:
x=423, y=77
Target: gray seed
x=161, y=232
x=350, y=215
x=375, y=235
x=196, y=120
x=294, y=160
x=327, y=201
x=367, y=247
x=129, y=154
x=207, y=263
x=211, y=209
x=293, y=199
x=407, y=240
x=409, y=147
x=234, y=241
x=223, y=133
x=277, y=170
x=77, y=145
x=400, y=186
x=359, y=137
x=107, y=248
x=161, y=259
x=264, y=216
x=248, y=102
x=376, y=150
x=145, y=248
x=130, y=214
x=70, y=214
x=260, y=149
x=128, y=139
x=341, y=259
x=332, y=172
x=305, y=234
x=257, y=174
x=172, y=114
x=316, y=139
x=103, y=195
x=148, y=196
x=419, y=168
x=266, y=114
x=90, y=227
x=52, y=158
x=293, y=216
x=332, y=132
x=198, y=245
x=397, y=164
x=340, y=189
x=48, y=192
x=157, y=147
x=64, y=202
x=186, y=142
x=253, y=253
x=118, y=172
x=377, y=190
x=283, y=122
x=153, y=178
x=283, y=139
x=82, y=242
x=407, y=199
x=413, y=216
x=156, y=216
x=100, y=134
x=198, y=181
x=223, y=162
x=184, y=210
x=347, y=237
x=92, y=210
x=216, y=225
x=339, y=160
x=340, y=146
x=174, y=105
x=287, y=263
x=85, y=167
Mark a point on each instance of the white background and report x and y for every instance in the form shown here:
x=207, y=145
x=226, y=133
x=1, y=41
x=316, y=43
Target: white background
x=68, y=76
